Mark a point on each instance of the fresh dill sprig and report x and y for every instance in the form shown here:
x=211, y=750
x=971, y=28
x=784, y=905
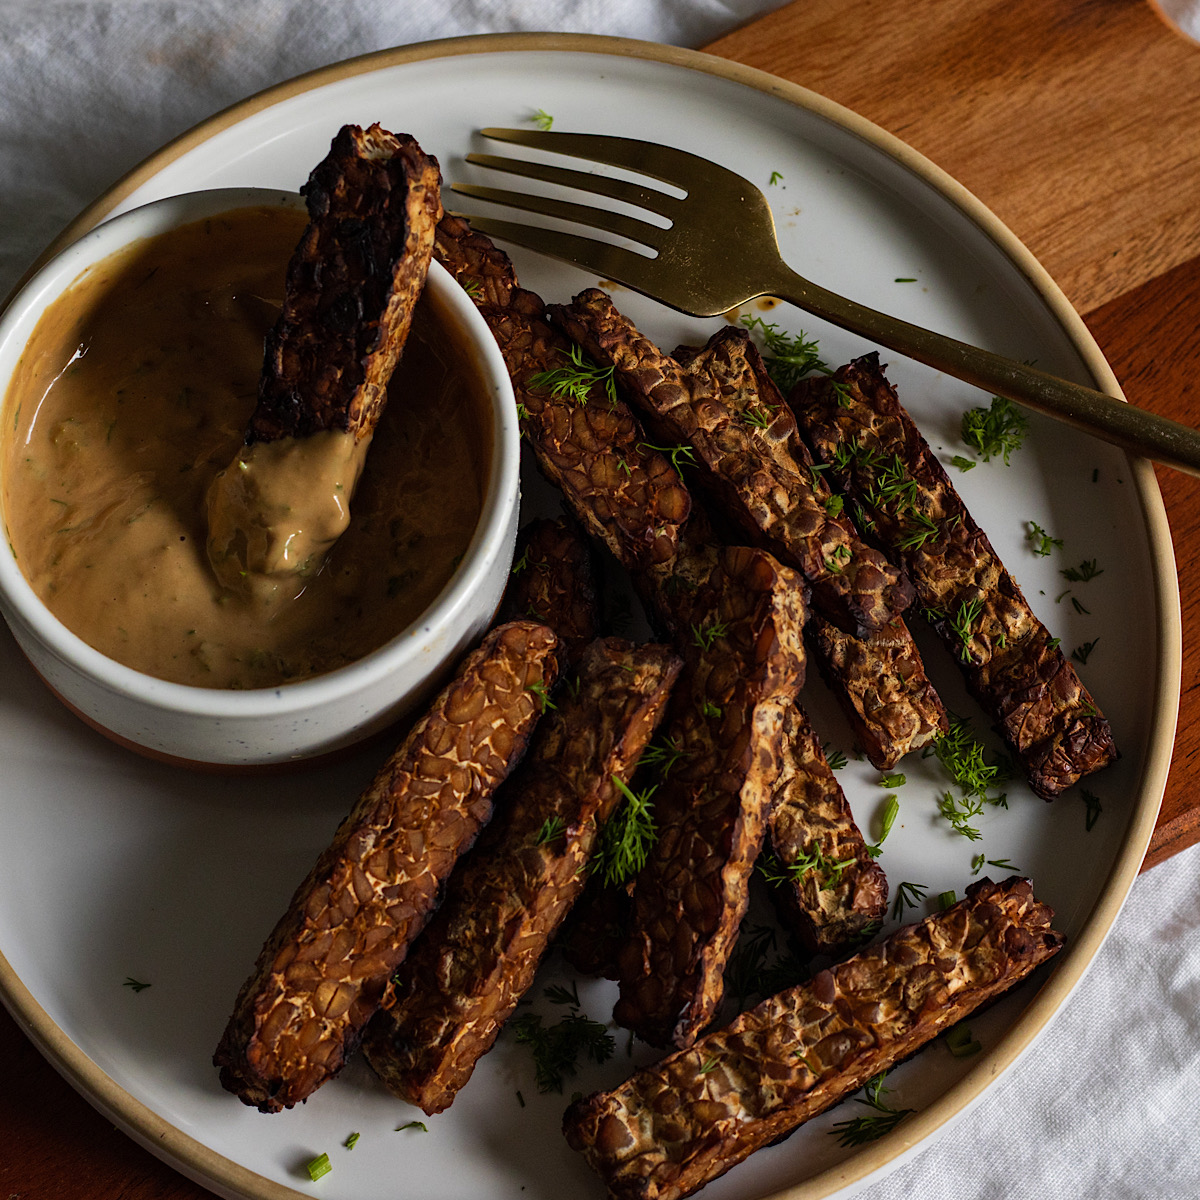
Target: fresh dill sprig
x=557, y=1048
x=961, y=812
x=542, y=119
x=920, y=528
x=1001, y=864
x=1087, y=570
x=789, y=358
x=1093, y=808
x=705, y=635
x=962, y=625
x=575, y=382
x=542, y=693
x=860, y=1130
x=962, y=756
x=627, y=838
x=558, y=993
x=553, y=828
x=775, y=178
x=135, y=985
x=759, y=420
x=1082, y=653
x=837, y=559
x=1043, y=543
x=680, y=456
x=473, y=288
x=521, y=564
x=835, y=758
x=757, y=968
x=663, y=754
x=908, y=895
x=828, y=871
x=994, y=432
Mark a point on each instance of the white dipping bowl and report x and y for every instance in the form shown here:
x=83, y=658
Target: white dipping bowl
x=267, y=727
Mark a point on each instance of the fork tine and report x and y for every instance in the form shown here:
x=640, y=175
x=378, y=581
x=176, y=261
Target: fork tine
x=566, y=210
x=602, y=259
x=601, y=185
x=647, y=158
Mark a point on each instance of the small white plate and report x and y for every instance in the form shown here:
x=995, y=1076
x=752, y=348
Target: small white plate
x=113, y=867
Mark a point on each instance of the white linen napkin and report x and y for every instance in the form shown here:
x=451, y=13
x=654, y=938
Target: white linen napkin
x=1101, y=1107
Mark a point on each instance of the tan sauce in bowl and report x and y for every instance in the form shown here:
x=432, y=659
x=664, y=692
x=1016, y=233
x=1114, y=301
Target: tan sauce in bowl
x=135, y=391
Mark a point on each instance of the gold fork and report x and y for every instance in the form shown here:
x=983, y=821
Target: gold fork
x=719, y=250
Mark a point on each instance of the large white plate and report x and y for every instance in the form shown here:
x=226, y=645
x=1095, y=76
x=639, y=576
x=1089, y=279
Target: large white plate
x=113, y=867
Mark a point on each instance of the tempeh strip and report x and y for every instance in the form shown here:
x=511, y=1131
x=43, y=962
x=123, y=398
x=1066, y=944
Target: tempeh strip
x=1011, y=663
x=881, y=685
x=832, y=903
x=682, y=1122
x=478, y=956
x=554, y=581
x=351, y=287
x=322, y=972
x=743, y=668
x=723, y=405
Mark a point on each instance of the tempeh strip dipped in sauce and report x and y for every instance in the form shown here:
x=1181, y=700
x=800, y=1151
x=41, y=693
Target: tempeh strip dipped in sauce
x=351, y=288
x=743, y=668
x=478, y=956
x=1012, y=665
x=723, y=405
x=321, y=974
x=831, y=903
x=682, y=1122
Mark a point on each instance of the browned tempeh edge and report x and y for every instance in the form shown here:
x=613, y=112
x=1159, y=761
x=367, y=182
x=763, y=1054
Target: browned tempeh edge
x=554, y=580
x=351, y=288
x=742, y=670
x=725, y=407
x=1012, y=665
x=587, y=449
x=479, y=954
x=682, y=1122
x=836, y=905
x=322, y=971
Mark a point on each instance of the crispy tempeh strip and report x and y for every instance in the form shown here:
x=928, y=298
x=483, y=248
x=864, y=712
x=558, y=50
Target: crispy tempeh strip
x=322, y=972
x=681, y=1123
x=881, y=684
x=831, y=905
x=352, y=284
x=554, y=581
x=479, y=954
x=1012, y=665
x=742, y=670
x=726, y=408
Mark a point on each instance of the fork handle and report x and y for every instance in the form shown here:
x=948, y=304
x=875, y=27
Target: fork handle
x=1114, y=420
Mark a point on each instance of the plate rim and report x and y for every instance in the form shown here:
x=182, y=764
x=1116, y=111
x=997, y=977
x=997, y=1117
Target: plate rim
x=207, y=1167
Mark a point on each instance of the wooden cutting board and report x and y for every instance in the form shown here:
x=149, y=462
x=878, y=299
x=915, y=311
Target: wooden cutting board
x=1078, y=123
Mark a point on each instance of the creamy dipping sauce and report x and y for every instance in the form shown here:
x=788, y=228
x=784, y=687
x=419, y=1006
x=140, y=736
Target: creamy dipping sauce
x=133, y=395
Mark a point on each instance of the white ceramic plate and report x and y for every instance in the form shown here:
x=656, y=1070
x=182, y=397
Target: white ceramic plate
x=113, y=867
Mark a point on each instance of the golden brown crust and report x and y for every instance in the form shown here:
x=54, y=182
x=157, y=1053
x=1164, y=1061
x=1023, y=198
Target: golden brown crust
x=678, y=1124
x=832, y=904
x=1011, y=663
x=352, y=284
x=743, y=667
x=322, y=972
x=478, y=956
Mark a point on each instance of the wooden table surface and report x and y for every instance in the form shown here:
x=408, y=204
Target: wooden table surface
x=1078, y=123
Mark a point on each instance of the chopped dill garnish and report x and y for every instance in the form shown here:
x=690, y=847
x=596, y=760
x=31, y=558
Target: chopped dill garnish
x=1086, y=571
x=757, y=968
x=663, y=754
x=709, y=1065
x=962, y=757
x=1001, y=864
x=557, y=993
x=557, y=1048
x=1093, y=808
x=828, y=871
x=680, y=456
x=963, y=464
x=628, y=837
x=704, y=635
x=135, y=985
x=473, y=288
x=1043, y=543
x=575, y=382
x=542, y=119
x=961, y=625
x=419, y=1126
x=858, y=1131
x=994, y=432
x=553, y=828
x=908, y=895
x=961, y=812
x=759, y=420
x=835, y=758
x=521, y=563
x=1079, y=608
x=921, y=528
x=542, y=693
x=838, y=559
x=1082, y=653
x=775, y=178
x=789, y=358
